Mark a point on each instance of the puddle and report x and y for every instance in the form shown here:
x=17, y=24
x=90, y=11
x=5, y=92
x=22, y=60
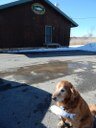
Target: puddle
x=39, y=73
x=51, y=70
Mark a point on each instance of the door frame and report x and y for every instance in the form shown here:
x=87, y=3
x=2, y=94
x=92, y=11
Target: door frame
x=48, y=26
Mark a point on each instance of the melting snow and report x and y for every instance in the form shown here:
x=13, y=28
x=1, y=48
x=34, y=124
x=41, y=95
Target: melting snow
x=91, y=47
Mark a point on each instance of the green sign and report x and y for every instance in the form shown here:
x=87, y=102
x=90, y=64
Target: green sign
x=38, y=8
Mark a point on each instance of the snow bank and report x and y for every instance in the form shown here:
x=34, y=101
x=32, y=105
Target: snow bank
x=91, y=47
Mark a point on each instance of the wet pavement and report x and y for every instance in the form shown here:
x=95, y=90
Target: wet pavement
x=54, y=69
x=26, y=85
x=39, y=73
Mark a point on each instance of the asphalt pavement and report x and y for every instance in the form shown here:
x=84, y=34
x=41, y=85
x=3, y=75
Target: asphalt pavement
x=27, y=82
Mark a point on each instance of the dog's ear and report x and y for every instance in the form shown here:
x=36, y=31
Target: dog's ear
x=73, y=91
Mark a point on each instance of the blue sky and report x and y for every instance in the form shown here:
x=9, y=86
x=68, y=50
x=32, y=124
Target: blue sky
x=82, y=12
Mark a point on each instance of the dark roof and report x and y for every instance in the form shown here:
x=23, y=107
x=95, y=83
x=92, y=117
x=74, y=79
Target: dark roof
x=74, y=24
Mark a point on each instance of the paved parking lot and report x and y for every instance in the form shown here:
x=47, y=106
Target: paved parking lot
x=27, y=82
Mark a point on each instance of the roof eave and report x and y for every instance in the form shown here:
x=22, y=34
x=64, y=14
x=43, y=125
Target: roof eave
x=12, y=4
x=74, y=25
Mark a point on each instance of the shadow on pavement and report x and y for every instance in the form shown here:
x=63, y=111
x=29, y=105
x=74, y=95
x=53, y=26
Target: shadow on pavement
x=60, y=53
x=22, y=106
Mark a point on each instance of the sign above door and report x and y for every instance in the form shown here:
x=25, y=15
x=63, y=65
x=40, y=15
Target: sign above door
x=38, y=8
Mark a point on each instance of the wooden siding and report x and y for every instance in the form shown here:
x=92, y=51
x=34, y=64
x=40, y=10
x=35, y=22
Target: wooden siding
x=21, y=27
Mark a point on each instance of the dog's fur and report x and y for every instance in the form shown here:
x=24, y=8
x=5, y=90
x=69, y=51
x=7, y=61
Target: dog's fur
x=69, y=98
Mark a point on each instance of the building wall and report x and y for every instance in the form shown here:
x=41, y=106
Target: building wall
x=21, y=27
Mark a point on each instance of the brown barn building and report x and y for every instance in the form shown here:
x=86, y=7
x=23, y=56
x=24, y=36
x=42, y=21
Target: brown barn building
x=33, y=23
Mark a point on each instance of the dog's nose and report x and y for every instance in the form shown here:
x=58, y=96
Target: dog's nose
x=54, y=98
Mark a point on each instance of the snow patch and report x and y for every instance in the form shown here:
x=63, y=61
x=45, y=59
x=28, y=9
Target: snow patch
x=91, y=47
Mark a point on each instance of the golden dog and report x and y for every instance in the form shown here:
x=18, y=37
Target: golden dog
x=72, y=102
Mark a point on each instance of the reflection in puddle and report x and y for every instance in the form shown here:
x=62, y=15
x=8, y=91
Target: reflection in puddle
x=40, y=73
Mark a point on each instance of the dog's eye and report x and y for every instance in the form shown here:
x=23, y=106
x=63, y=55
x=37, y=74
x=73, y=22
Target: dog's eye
x=62, y=90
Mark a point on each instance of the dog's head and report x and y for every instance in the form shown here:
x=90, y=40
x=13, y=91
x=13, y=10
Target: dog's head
x=64, y=90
